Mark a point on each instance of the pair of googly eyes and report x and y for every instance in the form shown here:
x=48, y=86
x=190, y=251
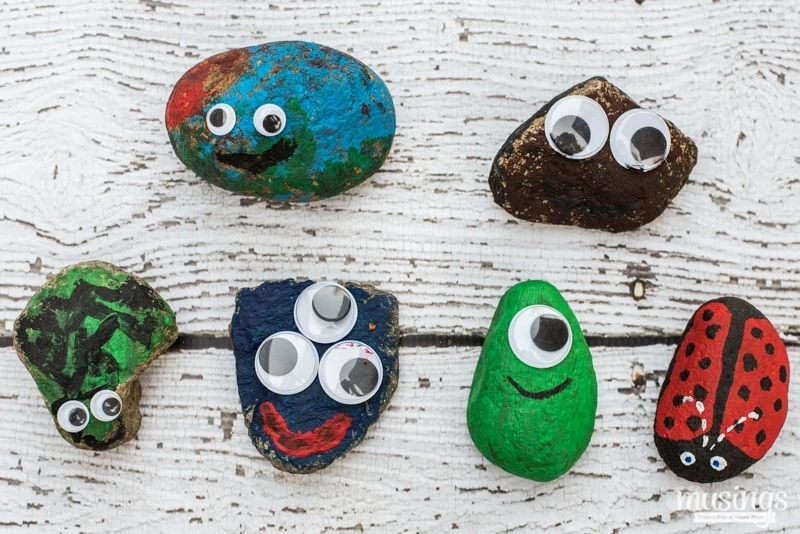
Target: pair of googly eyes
x=718, y=463
x=73, y=416
x=269, y=120
x=540, y=336
x=350, y=372
x=577, y=128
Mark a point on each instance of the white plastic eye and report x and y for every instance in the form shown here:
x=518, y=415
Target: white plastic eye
x=269, y=120
x=576, y=127
x=718, y=463
x=350, y=372
x=325, y=312
x=73, y=416
x=540, y=336
x=687, y=458
x=286, y=363
x=106, y=405
x=221, y=119
x=640, y=140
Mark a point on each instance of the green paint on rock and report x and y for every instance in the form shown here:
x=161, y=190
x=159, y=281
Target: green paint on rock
x=534, y=422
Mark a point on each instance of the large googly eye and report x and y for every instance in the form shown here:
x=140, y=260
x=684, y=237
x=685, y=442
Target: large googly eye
x=576, y=127
x=269, y=120
x=350, y=372
x=221, y=119
x=718, y=463
x=540, y=336
x=106, y=405
x=325, y=312
x=640, y=140
x=687, y=458
x=73, y=416
x=286, y=363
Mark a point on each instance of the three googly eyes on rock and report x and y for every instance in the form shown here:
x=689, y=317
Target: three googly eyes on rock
x=287, y=363
x=577, y=127
x=74, y=416
x=269, y=120
x=540, y=336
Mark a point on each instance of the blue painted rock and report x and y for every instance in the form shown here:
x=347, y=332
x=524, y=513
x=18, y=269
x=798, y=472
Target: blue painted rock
x=289, y=121
x=316, y=364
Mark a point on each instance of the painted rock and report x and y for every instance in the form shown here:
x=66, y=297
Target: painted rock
x=563, y=166
x=534, y=394
x=316, y=364
x=85, y=337
x=725, y=397
x=289, y=121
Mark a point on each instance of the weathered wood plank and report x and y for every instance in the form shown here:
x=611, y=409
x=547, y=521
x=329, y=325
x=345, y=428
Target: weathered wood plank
x=192, y=464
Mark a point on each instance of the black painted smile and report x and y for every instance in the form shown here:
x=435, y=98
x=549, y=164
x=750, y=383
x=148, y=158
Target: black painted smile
x=258, y=163
x=540, y=395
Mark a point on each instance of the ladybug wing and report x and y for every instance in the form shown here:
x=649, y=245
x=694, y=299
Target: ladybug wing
x=686, y=403
x=758, y=399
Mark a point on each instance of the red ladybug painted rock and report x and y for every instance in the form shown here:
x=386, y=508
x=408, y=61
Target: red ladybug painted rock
x=725, y=396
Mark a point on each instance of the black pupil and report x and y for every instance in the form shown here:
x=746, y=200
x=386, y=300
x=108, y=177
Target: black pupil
x=571, y=134
x=549, y=333
x=77, y=417
x=648, y=145
x=278, y=357
x=272, y=123
x=217, y=118
x=111, y=406
x=358, y=377
x=331, y=304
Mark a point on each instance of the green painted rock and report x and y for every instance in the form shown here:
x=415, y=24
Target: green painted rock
x=534, y=394
x=85, y=337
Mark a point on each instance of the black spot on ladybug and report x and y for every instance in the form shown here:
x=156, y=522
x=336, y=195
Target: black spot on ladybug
x=705, y=363
x=744, y=393
x=693, y=422
x=677, y=400
x=711, y=331
x=758, y=413
x=669, y=422
x=684, y=375
x=766, y=384
x=738, y=427
x=750, y=362
x=700, y=393
x=760, y=437
x=782, y=374
x=707, y=315
x=689, y=349
x=778, y=405
x=770, y=348
x=756, y=333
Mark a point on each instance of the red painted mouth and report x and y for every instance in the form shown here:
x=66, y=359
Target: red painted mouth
x=302, y=444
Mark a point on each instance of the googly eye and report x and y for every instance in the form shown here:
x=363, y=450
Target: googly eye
x=269, y=120
x=350, y=372
x=286, y=363
x=718, y=463
x=221, y=119
x=325, y=312
x=540, y=336
x=687, y=458
x=576, y=127
x=640, y=140
x=106, y=405
x=72, y=416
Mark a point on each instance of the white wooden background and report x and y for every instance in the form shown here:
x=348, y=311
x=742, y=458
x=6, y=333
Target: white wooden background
x=87, y=173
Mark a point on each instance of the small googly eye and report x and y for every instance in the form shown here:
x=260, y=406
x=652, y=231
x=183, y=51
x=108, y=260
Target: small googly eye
x=687, y=458
x=286, y=363
x=540, y=336
x=106, y=405
x=350, y=372
x=269, y=120
x=221, y=119
x=72, y=416
x=576, y=127
x=640, y=140
x=718, y=463
x=325, y=312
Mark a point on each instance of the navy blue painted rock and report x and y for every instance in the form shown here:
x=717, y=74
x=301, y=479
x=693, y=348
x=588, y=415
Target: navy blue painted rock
x=309, y=428
x=289, y=121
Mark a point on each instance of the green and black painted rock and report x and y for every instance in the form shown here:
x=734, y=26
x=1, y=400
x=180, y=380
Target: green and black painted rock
x=534, y=394
x=85, y=337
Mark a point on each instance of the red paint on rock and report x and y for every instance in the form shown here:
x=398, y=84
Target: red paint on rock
x=322, y=439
